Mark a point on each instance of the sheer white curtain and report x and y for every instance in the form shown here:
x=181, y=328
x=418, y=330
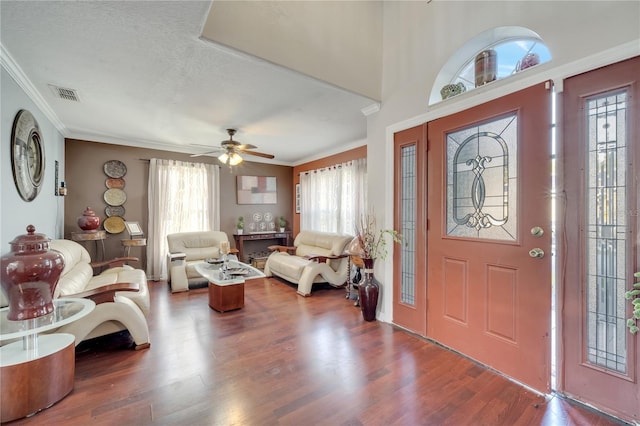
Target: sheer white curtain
x=332, y=199
x=182, y=197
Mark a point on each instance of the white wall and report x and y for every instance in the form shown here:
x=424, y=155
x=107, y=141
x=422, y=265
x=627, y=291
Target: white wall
x=46, y=211
x=419, y=37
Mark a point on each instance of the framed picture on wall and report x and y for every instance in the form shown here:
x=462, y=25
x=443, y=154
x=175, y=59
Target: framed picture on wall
x=257, y=190
x=298, y=198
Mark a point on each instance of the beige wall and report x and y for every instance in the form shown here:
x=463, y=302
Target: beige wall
x=85, y=179
x=335, y=41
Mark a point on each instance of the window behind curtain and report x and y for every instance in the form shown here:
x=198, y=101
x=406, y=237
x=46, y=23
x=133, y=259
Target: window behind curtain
x=332, y=199
x=183, y=197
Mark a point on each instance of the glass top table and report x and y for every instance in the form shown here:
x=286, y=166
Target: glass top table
x=215, y=274
x=66, y=311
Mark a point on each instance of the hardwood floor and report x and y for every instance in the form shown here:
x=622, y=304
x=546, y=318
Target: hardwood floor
x=288, y=360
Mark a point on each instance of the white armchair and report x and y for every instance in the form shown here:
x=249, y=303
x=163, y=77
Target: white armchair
x=120, y=292
x=186, y=249
x=316, y=257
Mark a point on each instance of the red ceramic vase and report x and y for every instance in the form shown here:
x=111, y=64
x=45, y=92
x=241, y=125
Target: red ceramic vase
x=89, y=221
x=30, y=275
x=368, y=289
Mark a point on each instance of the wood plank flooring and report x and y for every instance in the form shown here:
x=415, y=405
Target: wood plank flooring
x=288, y=360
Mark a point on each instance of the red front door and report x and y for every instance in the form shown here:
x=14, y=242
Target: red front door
x=489, y=238
x=600, y=358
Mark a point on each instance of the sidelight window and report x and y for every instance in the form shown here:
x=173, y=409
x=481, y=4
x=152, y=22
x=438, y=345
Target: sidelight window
x=606, y=230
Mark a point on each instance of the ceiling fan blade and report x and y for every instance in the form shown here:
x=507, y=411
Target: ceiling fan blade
x=205, y=153
x=246, y=146
x=257, y=154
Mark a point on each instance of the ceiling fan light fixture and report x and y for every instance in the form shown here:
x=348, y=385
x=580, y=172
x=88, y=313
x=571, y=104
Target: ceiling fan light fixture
x=234, y=159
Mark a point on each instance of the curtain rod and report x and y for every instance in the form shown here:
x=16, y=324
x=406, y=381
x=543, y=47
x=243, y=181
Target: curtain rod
x=335, y=166
x=147, y=160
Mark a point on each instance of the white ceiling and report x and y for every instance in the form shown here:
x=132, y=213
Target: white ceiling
x=146, y=78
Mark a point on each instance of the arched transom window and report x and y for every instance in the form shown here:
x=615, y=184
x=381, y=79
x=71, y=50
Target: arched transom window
x=516, y=49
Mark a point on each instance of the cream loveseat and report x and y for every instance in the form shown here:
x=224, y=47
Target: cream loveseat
x=186, y=249
x=316, y=257
x=121, y=295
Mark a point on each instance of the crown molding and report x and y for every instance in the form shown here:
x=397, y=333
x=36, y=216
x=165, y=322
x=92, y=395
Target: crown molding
x=371, y=109
x=15, y=71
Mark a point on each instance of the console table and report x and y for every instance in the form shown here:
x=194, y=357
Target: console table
x=282, y=238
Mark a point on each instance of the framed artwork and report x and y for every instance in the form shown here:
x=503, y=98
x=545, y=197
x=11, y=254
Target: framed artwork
x=298, y=198
x=257, y=190
x=134, y=229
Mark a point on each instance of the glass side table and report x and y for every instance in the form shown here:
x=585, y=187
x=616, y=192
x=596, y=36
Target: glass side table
x=38, y=370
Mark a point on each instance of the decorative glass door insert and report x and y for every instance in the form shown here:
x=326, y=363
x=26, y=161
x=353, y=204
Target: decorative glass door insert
x=408, y=223
x=606, y=231
x=481, y=180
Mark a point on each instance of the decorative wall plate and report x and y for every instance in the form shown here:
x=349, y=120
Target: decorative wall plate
x=114, y=211
x=115, y=169
x=27, y=155
x=114, y=225
x=257, y=217
x=268, y=216
x=115, y=197
x=114, y=183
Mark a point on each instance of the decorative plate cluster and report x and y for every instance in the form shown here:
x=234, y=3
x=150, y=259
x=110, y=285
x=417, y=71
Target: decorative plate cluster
x=114, y=196
x=262, y=222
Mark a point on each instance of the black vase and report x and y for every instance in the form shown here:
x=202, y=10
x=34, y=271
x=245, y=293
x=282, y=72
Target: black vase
x=369, y=289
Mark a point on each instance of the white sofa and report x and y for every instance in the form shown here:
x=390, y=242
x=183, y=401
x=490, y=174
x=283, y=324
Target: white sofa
x=121, y=295
x=187, y=249
x=315, y=257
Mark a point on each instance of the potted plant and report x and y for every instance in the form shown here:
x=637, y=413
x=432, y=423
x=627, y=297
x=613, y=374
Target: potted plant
x=634, y=296
x=283, y=223
x=240, y=225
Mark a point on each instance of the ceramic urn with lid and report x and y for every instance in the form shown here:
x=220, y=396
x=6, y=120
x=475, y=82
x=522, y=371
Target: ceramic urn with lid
x=29, y=276
x=89, y=221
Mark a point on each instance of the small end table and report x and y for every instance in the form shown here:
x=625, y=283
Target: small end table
x=96, y=236
x=133, y=242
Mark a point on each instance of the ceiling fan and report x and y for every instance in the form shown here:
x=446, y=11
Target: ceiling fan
x=230, y=151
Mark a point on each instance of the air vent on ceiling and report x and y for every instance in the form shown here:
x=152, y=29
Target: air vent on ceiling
x=63, y=93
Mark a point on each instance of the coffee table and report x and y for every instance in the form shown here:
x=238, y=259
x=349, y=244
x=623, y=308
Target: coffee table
x=226, y=290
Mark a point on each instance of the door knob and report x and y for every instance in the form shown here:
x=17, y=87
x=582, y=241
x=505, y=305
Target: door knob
x=536, y=231
x=536, y=253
